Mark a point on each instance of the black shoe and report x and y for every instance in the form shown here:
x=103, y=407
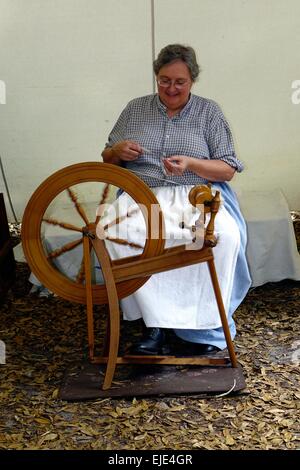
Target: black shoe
x=152, y=343
x=206, y=348
x=197, y=349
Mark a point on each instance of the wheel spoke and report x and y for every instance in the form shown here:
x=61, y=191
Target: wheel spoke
x=78, y=206
x=81, y=274
x=67, y=247
x=120, y=241
x=65, y=225
x=118, y=220
x=102, y=202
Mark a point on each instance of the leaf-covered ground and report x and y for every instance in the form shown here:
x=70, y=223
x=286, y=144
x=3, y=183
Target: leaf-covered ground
x=44, y=336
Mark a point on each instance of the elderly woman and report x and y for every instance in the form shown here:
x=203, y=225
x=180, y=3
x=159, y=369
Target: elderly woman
x=174, y=140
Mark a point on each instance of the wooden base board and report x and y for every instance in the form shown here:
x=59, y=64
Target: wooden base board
x=83, y=382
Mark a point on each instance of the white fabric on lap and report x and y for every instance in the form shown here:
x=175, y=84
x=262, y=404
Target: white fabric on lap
x=181, y=298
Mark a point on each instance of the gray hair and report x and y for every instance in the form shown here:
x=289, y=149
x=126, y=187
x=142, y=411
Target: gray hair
x=174, y=52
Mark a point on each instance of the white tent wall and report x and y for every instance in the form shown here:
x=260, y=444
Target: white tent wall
x=70, y=66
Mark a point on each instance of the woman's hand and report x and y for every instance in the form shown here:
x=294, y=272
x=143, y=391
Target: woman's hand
x=212, y=170
x=127, y=150
x=176, y=165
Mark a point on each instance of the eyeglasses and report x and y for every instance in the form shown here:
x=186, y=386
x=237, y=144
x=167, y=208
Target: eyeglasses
x=178, y=84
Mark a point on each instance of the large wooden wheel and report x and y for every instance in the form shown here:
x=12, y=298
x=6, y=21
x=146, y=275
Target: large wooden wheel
x=41, y=262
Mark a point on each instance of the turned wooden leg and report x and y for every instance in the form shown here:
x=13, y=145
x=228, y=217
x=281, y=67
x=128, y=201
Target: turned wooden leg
x=222, y=312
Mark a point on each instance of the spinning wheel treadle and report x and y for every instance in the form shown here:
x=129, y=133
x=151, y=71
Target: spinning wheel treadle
x=123, y=276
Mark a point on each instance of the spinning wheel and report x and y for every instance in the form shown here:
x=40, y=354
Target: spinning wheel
x=34, y=215
x=121, y=277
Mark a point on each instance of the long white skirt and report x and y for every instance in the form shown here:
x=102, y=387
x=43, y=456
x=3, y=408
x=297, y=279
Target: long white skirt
x=180, y=298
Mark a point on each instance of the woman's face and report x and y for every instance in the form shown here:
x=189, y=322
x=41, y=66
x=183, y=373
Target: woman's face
x=174, y=84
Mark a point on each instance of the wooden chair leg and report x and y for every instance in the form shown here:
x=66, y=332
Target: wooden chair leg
x=222, y=312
